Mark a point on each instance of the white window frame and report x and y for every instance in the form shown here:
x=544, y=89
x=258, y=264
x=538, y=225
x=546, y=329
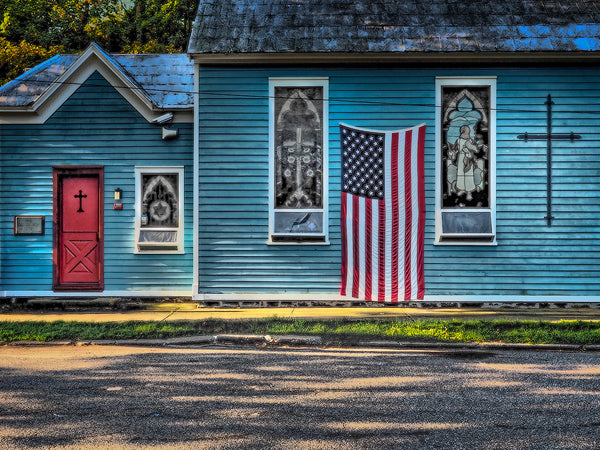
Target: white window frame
x=442, y=238
x=146, y=248
x=324, y=236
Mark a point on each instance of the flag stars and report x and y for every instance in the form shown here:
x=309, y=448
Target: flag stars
x=362, y=168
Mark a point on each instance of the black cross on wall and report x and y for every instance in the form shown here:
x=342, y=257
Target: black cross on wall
x=549, y=137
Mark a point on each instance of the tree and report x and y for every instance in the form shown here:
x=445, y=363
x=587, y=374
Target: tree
x=160, y=24
x=34, y=30
x=15, y=58
x=70, y=23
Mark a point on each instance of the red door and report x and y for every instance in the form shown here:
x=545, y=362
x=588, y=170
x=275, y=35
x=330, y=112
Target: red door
x=78, y=238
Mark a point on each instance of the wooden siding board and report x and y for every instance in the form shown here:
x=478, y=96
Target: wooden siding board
x=530, y=256
x=95, y=126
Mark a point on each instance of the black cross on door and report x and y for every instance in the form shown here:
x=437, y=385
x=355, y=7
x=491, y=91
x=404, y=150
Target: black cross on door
x=81, y=196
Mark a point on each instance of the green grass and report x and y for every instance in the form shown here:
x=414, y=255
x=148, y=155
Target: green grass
x=340, y=331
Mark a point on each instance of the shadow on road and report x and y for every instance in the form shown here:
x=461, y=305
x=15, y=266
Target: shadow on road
x=297, y=398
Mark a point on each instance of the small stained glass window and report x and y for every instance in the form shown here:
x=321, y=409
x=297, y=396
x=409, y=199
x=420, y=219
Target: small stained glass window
x=159, y=210
x=160, y=200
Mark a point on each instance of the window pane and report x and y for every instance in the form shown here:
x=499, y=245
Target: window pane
x=160, y=202
x=465, y=146
x=298, y=147
x=160, y=236
x=467, y=222
x=299, y=222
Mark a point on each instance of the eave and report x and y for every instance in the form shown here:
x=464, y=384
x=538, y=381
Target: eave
x=413, y=58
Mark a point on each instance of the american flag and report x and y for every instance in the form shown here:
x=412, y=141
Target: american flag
x=383, y=213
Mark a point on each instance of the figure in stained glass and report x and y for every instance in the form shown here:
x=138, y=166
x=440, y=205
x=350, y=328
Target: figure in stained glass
x=465, y=147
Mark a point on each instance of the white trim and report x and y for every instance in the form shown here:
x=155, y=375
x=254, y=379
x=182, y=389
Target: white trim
x=116, y=293
x=288, y=296
x=139, y=171
x=196, y=183
x=269, y=242
x=305, y=297
x=512, y=298
x=465, y=81
x=91, y=60
x=300, y=82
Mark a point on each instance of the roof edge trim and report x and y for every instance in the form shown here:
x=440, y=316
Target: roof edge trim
x=93, y=58
x=94, y=50
x=404, y=57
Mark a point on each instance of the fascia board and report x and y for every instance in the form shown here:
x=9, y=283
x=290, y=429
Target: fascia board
x=470, y=58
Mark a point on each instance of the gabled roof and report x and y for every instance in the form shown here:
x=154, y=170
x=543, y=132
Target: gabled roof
x=395, y=27
x=151, y=83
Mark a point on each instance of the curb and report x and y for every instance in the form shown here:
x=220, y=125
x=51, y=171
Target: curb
x=309, y=341
x=219, y=339
x=481, y=346
x=188, y=340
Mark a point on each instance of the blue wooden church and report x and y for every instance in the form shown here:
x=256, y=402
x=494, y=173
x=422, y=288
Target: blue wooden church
x=224, y=176
x=509, y=92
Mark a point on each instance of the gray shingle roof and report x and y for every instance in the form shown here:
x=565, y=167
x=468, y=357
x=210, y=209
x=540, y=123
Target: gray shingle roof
x=167, y=80
x=25, y=89
x=393, y=26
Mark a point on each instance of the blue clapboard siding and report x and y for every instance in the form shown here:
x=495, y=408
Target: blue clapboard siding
x=530, y=258
x=95, y=126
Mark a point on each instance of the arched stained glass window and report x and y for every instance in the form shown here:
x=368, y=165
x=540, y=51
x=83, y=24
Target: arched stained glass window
x=465, y=146
x=299, y=147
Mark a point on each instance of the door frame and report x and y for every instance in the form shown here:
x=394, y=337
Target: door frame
x=58, y=173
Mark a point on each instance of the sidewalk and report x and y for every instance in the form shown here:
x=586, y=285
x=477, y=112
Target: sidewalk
x=191, y=311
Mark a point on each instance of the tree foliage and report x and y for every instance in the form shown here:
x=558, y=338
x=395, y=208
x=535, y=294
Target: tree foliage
x=15, y=57
x=34, y=30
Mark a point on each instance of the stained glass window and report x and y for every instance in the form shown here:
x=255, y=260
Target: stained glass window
x=465, y=146
x=299, y=147
x=298, y=196
x=160, y=200
x=465, y=199
x=159, y=209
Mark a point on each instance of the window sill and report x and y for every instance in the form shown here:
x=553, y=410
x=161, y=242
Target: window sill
x=159, y=252
x=470, y=243
x=305, y=243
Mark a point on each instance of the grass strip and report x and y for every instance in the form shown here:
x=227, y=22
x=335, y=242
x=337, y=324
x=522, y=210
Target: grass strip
x=347, y=331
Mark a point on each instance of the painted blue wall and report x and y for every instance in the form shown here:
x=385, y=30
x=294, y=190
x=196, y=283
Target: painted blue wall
x=95, y=126
x=530, y=258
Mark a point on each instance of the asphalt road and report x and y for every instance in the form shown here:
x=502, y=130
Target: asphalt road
x=244, y=397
